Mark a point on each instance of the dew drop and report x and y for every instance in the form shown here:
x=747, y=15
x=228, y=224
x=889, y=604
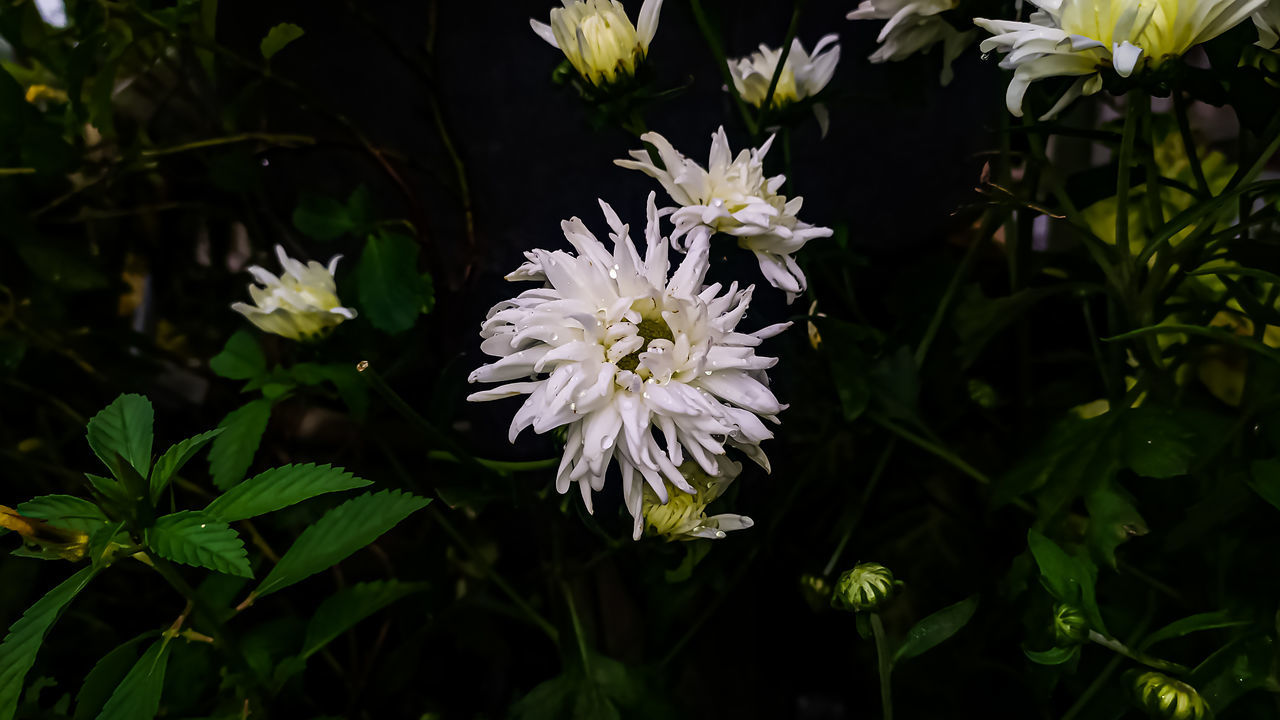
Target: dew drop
x=573, y=407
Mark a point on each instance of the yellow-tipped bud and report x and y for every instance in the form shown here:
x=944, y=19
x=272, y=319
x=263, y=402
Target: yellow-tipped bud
x=868, y=586
x=1163, y=697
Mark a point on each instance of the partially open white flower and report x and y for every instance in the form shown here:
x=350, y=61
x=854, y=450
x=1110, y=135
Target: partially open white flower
x=913, y=27
x=803, y=75
x=733, y=196
x=599, y=39
x=1267, y=18
x=301, y=304
x=1069, y=38
x=639, y=368
x=684, y=516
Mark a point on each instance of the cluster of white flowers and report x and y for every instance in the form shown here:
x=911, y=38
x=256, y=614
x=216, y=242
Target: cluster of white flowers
x=914, y=26
x=641, y=366
x=1082, y=38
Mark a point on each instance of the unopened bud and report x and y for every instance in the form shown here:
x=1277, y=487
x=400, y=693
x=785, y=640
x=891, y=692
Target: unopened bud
x=1163, y=697
x=1070, y=626
x=868, y=586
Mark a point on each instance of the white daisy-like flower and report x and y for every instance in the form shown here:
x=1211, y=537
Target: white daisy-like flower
x=684, y=516
x=1267, y=18
x=598, y=38
x=640, y=368
x=1081, y=38
x=733, y=196
x=301, y=304
x=913, y=27
x=803, y=75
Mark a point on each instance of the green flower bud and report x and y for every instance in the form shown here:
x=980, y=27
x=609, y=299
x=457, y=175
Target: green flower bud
x=1070, y=627
x=1163, y=697
x=867, y=586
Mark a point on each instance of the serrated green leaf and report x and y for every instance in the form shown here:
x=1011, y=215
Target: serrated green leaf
x=321, y=217
x=99, y=550
x=124, y=427
x=278, y=37
x=232, y=452
x=1194, y=623
x=936, y=628
x=391, y=290
x=200, y=540
x=18, y=651
x=65, y=511
x=105, y=676
x=341, y=611
x=279, y=488
x=107, y=488
x=138, y=695
x=1052, y=656
x=1264, y=478
x=168, y=464
x=241, y=358
x=1068, y=578
x=342, y=531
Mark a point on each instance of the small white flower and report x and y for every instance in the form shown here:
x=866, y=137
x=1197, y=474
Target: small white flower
x=913, y=27
x=301, y=304
x=1268, y=21
x=733, y=196
x=599, y=39
x=1080, y=38
x=684, y=516
x=621, y=355
x=803, y=75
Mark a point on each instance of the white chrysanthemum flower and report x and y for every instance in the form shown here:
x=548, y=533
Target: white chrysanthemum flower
x=1268, y=21
x=638, y=367
x=803, y=75
x=913, y=26
x=684, y=516
x=599, y=39
x=1070, y=38
x=733, y=196
x=301, y=304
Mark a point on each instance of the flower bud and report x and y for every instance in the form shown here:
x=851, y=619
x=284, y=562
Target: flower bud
x=1070, y=626
x=868, y=586
x=1163, y=697
x=598, y=39
x=301, y=304
x=684, y=516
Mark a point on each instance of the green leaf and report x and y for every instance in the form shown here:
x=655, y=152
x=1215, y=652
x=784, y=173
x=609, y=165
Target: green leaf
x=99, y=550
x=1155, y=443
x=1242, y=665
x=64, y=511
x=392, y=293
x=175, y=457
x=1264, y=478
x=278, y=37
x=105, y=676
x=232, y=452
x=107, y=488
x=279, y=488
x=1194, y=623
x=124, y=428
x=138, y=695
x=1052, y=656
x=1068, y=578
x=324, y=218
x=936, y=628
x=341, y=611
x=850, y=368
x=241, y=358
x=342, y=531
x=18, y=651
x=1112, y=520
x=200, y=540
x=895, y=383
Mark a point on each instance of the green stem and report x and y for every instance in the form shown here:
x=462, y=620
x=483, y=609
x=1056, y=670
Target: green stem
x=1189, y=142
x=989, y=227
x=876, y=473
x=577, y=627
x=885, y=664
x=503, y=467
x=1155, y=207
x=1136, y=655
x=933, y=449
x=713, y=43
x=792, y=29
x=1101, y=680
x=1132, y=114
x=275, y=139
x=17, y=171
x=493, y=576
